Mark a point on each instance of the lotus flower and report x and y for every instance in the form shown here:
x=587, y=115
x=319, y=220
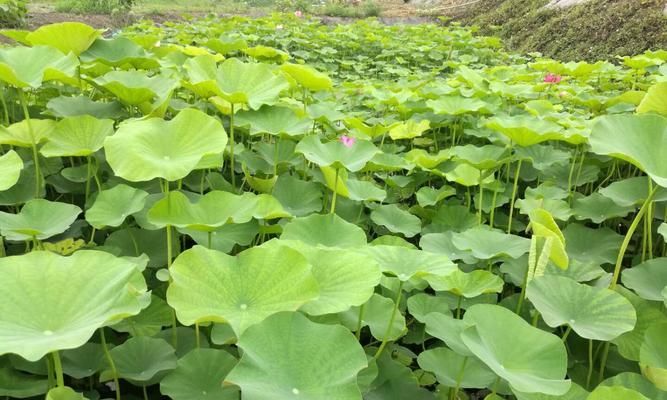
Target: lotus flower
x=298, y=13
x=552, y=78
x=347, y=140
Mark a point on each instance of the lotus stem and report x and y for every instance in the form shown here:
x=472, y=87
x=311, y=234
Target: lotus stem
x=60, y=378
x=458, y=307
x=33, y=145
x=4, y=105
x=231, y=146
x=197, y=341
x=628, y=237
x=567, y=333
x=459, y=378
x=514, y=190
x=88, y=175
x=335, y=193
x=357, y=333
x=391, y=321
x=49, y=371
x=649, y=222
x=143, y=390
x=571, y=174
x=590, y=364
x=481, y=198
x=112, y=365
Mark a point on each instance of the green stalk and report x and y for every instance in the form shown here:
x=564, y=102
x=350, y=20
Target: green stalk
x=391, y=321
x=459, y=378
x=357, y=333
x=112, y=365
x=567, y=333
x=649, y=222
x=143, y=389
x=4, y=104
x=231, y=146
x=60, y=378
x=88, y=175
x=49, y=371
x=35, y=156
x=514, y=189
x=197, y=334
x=481, y=197
x=335, y=193
x=590, y=364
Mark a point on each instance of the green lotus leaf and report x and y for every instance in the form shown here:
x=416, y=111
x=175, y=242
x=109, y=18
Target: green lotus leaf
x=353, y=189
x=64, y=393
x=593, y=313
x=135, y=88
x=485, y=244
x=396, y=220
x=393, y=381
x=142, y=360
x=38, y=219
x=451, y=368
x=654, y=101
x=298, y=197
x=208, y=285
x=387, y=162
x=483, y=158
x=16, y=384
x=653, y=355
x=226, y=237
x=77, y=136
x=267, y=371
x=68, y=37
x=199, y=376
x=472, y=284
x=336, y=154
x=636, y=382
x=542, y=156
x=113, y=206
x=253, y=84
x=119, y=51
x=406, y=263
x=598, y=208
x=376, y=315
x=274, y=120
x=19, y=134
x=18, y=35
x=530, y=359
x=28, y=67
x=648, y=314
x=543, y=225
x=463, y=174
x=44, y=318
x=631, y=192
x=142, y=150
x=422, y=304
x=647, y=279
x=74, y=106
x=409, y=129
x=457, y=105
x=11, y=165
x=266, y=53
x=84, y=361
x=448, y=329
x=149, y=321
x=426, y=160
x=326, y=230
x=214, y=209
x=637, y=139
x=525, y=130
x=307, y=77
x=428, y=196
x=615, y=393
x=225, y=44
x=576, y=392
x=588, y=245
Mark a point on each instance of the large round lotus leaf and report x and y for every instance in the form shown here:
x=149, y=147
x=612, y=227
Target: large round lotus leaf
x=51, y=302
x=64, y=393
x=390, y=379
x=655, y=100
x=653, y=355
x=11, y=165
x=274, y=120
x=253, y=84
x=149, y=321
x=208, y=285
x=113, y=206
x=344, y=278
x=199, y=376
x=485, y=244
x=119, y=51
x=592, y=312
x=326, y=230
x=396, y=220
x=637, y=383
x=647, y=279
x=457, y=105
x=483, y=158
x=525, y=130
x=64, y=106
x=19, y=134
x=588, y=245
x=615, y=393
x=631, y=192
x=30, y=66
x=638, y=139
x=213, y=210
x=67, y=37
x=422, y=304
x=142, y=359
x=530, y=359
x=283, y=359
x=449, y=368
x=448, y=329
x=134, y=87
x=308, y=77
x=406, y=263
x=83, y=361
x=226, y=237
x=142, y=150
x=409, y=129
x=542, y=156
x=649, y=313
x=598, y=208
x=39, y=219
x=77, y=136
x=16, y=384
x=336, y=154
x=297, y=196
x=471, y=284
x=376, y=314
x=576, y=392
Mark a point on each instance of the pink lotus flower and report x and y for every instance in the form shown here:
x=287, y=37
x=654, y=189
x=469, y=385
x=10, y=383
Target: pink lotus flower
x=552, y=78
x=298, y=13
x=347, y=140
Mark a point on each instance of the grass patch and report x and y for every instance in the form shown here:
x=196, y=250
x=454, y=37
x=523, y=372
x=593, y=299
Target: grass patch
x=366, y=8
x=596, y=30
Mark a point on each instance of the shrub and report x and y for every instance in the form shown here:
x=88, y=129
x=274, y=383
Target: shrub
x=366, y=8
x=13, y=12
x=94, y=6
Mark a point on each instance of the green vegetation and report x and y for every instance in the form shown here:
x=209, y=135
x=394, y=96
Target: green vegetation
x=276, y=208
x=13, y=12
x=596, y=30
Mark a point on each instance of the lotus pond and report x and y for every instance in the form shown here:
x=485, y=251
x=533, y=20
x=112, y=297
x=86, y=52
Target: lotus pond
x=279, y=209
